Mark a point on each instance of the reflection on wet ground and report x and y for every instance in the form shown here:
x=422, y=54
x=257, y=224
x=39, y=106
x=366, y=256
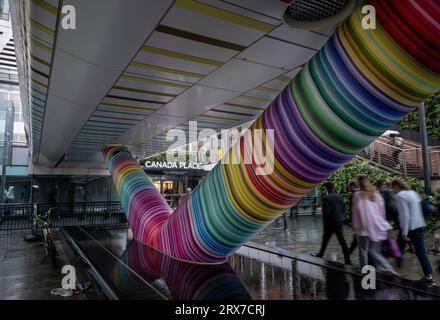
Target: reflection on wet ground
x=130, y=270
x=304, y=235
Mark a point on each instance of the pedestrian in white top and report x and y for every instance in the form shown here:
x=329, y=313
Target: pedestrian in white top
x=370, y=225
x=412, y=225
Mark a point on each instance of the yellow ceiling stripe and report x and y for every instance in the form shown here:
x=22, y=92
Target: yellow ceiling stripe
x=283, y=78
x=40, y=60
x=128, y=106
x=46, y=6
x=216, y=117
x=167, y=70
x=242, y=106
x=159, y=82
x=42, y=27
x=144, y=91
x=266, y=89
x=38, y=82
x=255, y=98
x=183, y=56
x=224, y=15
x=40, y=45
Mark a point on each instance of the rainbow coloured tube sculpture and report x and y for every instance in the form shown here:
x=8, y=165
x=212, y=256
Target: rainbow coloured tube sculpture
x=358, y=85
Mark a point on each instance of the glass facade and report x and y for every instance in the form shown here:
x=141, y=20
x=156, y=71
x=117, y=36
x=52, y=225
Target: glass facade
x=4, y=9
x=18, y=189
x=98, y=189
x=59, y=189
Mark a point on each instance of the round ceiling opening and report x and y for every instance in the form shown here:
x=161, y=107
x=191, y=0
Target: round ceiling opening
x=317, y=14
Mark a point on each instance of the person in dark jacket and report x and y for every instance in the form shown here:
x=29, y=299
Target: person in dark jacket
x=390, y=202
x=352, y=187
x=333, y=215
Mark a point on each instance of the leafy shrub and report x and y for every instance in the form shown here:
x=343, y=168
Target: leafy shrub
x=432, y=104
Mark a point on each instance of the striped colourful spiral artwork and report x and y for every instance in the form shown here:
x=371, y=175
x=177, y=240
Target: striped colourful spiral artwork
x=358, y=85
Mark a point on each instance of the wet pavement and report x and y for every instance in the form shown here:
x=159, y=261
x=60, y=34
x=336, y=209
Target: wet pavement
x=304, y=233
x=276, y=264
x=131, y=270
x=23, y=276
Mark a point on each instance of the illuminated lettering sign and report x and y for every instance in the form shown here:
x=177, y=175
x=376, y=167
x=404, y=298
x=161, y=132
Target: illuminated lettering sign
x=172, y=165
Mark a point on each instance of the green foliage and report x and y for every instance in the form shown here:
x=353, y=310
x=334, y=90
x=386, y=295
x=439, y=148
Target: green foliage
x=411, y=121
x=436, y=198
x=432, y=222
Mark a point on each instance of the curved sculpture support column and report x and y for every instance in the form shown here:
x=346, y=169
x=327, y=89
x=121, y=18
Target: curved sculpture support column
x=358, y=85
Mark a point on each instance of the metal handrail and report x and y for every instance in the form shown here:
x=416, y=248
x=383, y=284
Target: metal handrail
x=406, y=160
x=17, y=216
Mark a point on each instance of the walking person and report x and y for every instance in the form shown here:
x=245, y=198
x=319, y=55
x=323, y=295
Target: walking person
x=370, y=225
x=397, y=142
x=285, y=215
x=333, y=215
x=352, y=188
x=412, y=225
x=389, y=199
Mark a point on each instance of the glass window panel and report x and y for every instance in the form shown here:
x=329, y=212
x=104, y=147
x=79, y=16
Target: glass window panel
x=45, y=189
x=98, y=188
x=73, y=189
x=17, y=189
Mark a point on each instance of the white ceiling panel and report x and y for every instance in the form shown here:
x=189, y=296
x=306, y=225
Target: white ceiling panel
x=277, y=53
x=175, y=63
x=72, y=79
x=196, y=100
x=110, y=32
x=197, y=23
x=305, y=38
x=273, y=8
x=171, y=75
x=328, y=31
x=152, y=84
x=203, y=50
x=240, y=75
x=250, y=101
x=276, y=84
x=244, y=11
x=62, y=121
x=262, y=94
x=150, y=127
x=292, y=73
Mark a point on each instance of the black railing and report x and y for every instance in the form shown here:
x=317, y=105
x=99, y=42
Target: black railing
x=17, y=216
x=306, y=206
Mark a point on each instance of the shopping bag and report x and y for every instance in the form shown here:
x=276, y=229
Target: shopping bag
x=390, y=248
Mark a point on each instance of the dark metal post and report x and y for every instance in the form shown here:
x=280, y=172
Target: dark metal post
x=425, y=150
